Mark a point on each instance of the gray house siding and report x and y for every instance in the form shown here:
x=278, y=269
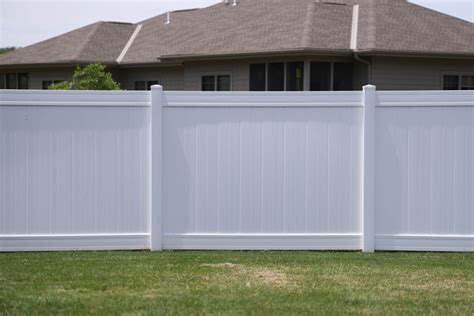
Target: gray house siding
x=238, y=70
x=36, y=76
x=171, y=78
x=389, y=73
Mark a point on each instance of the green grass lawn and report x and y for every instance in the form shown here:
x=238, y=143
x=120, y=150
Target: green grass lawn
x=269, y=283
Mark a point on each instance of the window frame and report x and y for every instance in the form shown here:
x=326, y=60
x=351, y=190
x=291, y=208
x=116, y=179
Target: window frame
x=19, y=77
x=17, y=80
x=216, y=75
x=283, y=80
x=148, y=84
x=265, y=79
x=456, y=74
x=305, y=76
x=7, y=81
x=3, y=81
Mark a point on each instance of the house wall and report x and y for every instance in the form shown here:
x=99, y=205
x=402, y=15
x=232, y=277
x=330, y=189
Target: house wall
x=239, y=70
x=171, y=78
x=37, y=76
x=389, y=73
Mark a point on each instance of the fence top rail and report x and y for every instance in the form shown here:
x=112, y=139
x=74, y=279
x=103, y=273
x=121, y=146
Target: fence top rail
x=425, y=99
x=48, y=98
x=263, y=99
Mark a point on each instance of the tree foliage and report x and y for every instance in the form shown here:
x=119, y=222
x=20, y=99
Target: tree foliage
x=63, y=85
x=90, y=77
x=4, y=50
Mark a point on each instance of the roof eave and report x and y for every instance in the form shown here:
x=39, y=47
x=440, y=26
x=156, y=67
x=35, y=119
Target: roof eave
x=419, y=54
x=67, y=63
x=240, y=55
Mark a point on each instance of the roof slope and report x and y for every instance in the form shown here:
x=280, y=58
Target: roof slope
x=399, y=26
x=260, y=26
x=250, y=27
x=98, y=42
x=257, y=26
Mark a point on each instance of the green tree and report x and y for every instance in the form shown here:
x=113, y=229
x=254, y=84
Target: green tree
x=90, y=77
x=6, y=50
x=63, y=85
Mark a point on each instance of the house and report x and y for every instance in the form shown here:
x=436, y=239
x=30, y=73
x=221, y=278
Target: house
x=264, y=45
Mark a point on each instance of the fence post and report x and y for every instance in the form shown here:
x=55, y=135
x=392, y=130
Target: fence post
x=368, y=162
x=156, y=167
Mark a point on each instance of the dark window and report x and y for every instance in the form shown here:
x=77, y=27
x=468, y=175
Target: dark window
x=46, y=84
x=11, y=81
x=223, y=83
x=23, y=81
x=2, y=81
x=320, y=77
x=294, y=76
x=140, y=85
x=257, y=77
x=467, y=83
x=451, y=82
x=208, y=83
x=151, y=83
x=276, y=77
x=343, y=77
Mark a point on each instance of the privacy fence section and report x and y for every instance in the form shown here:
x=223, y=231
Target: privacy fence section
x=242, y=170
x=75, y=170
x=262, y=171
x=424, y=171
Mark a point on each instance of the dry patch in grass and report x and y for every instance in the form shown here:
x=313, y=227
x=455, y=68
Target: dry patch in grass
x=253, y=276
x=219, y=265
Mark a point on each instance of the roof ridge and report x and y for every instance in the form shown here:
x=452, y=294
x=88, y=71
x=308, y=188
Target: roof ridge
x=117, y=22
x=87, y=40
x=179, y=11
x=129, y=43
x=308, y=25
x=372, y=25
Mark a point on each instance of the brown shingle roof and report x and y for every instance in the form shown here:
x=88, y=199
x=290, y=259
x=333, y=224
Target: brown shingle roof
x=250, y=27
x=261, y=26
x=98, y=42
x=405, y=27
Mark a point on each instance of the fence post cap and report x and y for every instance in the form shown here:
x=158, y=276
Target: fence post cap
x=156, y=87
x=369, y=87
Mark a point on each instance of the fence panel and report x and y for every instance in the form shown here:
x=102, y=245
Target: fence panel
x=73, y=170
x=424, y=171
x=255, y=171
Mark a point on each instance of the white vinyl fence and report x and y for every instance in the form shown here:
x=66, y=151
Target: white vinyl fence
x=241, y=170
